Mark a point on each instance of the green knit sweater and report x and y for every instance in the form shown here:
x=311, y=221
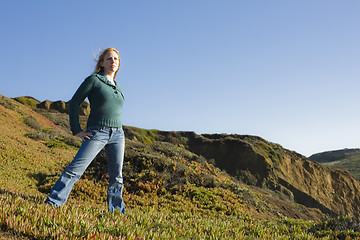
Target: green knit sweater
x=106, y=101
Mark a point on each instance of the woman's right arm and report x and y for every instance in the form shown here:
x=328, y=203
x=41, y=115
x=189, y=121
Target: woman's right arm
x=82, y=92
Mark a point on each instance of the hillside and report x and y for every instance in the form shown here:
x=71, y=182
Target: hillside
x=235, y=180
x=345, y=159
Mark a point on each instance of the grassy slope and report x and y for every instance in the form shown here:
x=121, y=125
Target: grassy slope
x=24, y=160
x=170, y=193
x=345, y=159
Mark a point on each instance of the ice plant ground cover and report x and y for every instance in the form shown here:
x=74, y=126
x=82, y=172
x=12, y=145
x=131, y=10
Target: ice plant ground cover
x=28, y=216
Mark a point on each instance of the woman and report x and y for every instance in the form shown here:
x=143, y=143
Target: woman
x=104, y=128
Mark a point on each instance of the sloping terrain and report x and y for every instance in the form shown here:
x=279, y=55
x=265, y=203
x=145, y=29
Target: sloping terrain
x=35, y=150
x=179, y=172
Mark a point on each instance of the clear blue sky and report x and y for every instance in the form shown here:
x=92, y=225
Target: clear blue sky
x=287, y=71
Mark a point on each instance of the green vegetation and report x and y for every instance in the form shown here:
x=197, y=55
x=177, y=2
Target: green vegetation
x=270, y=150
x=28, y=101
x=143, y=135
x=346, y=159
x=28, y=216
x=170, y=192
x=60, y=142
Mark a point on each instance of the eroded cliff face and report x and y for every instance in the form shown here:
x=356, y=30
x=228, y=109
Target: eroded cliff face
x=235, y=155
x=268, y=165
x=335, y=190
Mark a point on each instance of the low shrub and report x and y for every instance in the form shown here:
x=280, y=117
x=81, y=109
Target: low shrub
x=32, y=122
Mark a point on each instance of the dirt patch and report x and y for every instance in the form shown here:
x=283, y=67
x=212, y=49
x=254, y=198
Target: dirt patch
x=293, y=210
x=10, y=236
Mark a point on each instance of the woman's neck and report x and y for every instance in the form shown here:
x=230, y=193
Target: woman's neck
x=110, y=76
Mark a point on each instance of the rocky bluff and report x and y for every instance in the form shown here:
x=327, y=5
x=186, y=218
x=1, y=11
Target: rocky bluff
x=62, y=107
x=59, y=106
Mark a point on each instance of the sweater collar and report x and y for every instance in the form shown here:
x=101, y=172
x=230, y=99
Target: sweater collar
x=104, y=79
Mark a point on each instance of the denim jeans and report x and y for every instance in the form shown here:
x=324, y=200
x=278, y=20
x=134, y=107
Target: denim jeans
x=114, y=141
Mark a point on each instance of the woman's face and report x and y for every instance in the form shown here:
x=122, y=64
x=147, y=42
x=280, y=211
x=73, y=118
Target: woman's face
x=111, y=62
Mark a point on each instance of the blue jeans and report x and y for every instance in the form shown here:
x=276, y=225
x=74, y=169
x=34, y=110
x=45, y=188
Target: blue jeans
x=114, y=141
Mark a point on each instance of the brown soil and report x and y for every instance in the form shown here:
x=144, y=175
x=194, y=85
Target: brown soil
x=10, y=236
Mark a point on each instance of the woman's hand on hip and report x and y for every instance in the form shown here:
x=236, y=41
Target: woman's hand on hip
x=84, y=135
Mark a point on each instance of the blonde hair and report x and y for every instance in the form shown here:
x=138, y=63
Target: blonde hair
x=99, y=68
